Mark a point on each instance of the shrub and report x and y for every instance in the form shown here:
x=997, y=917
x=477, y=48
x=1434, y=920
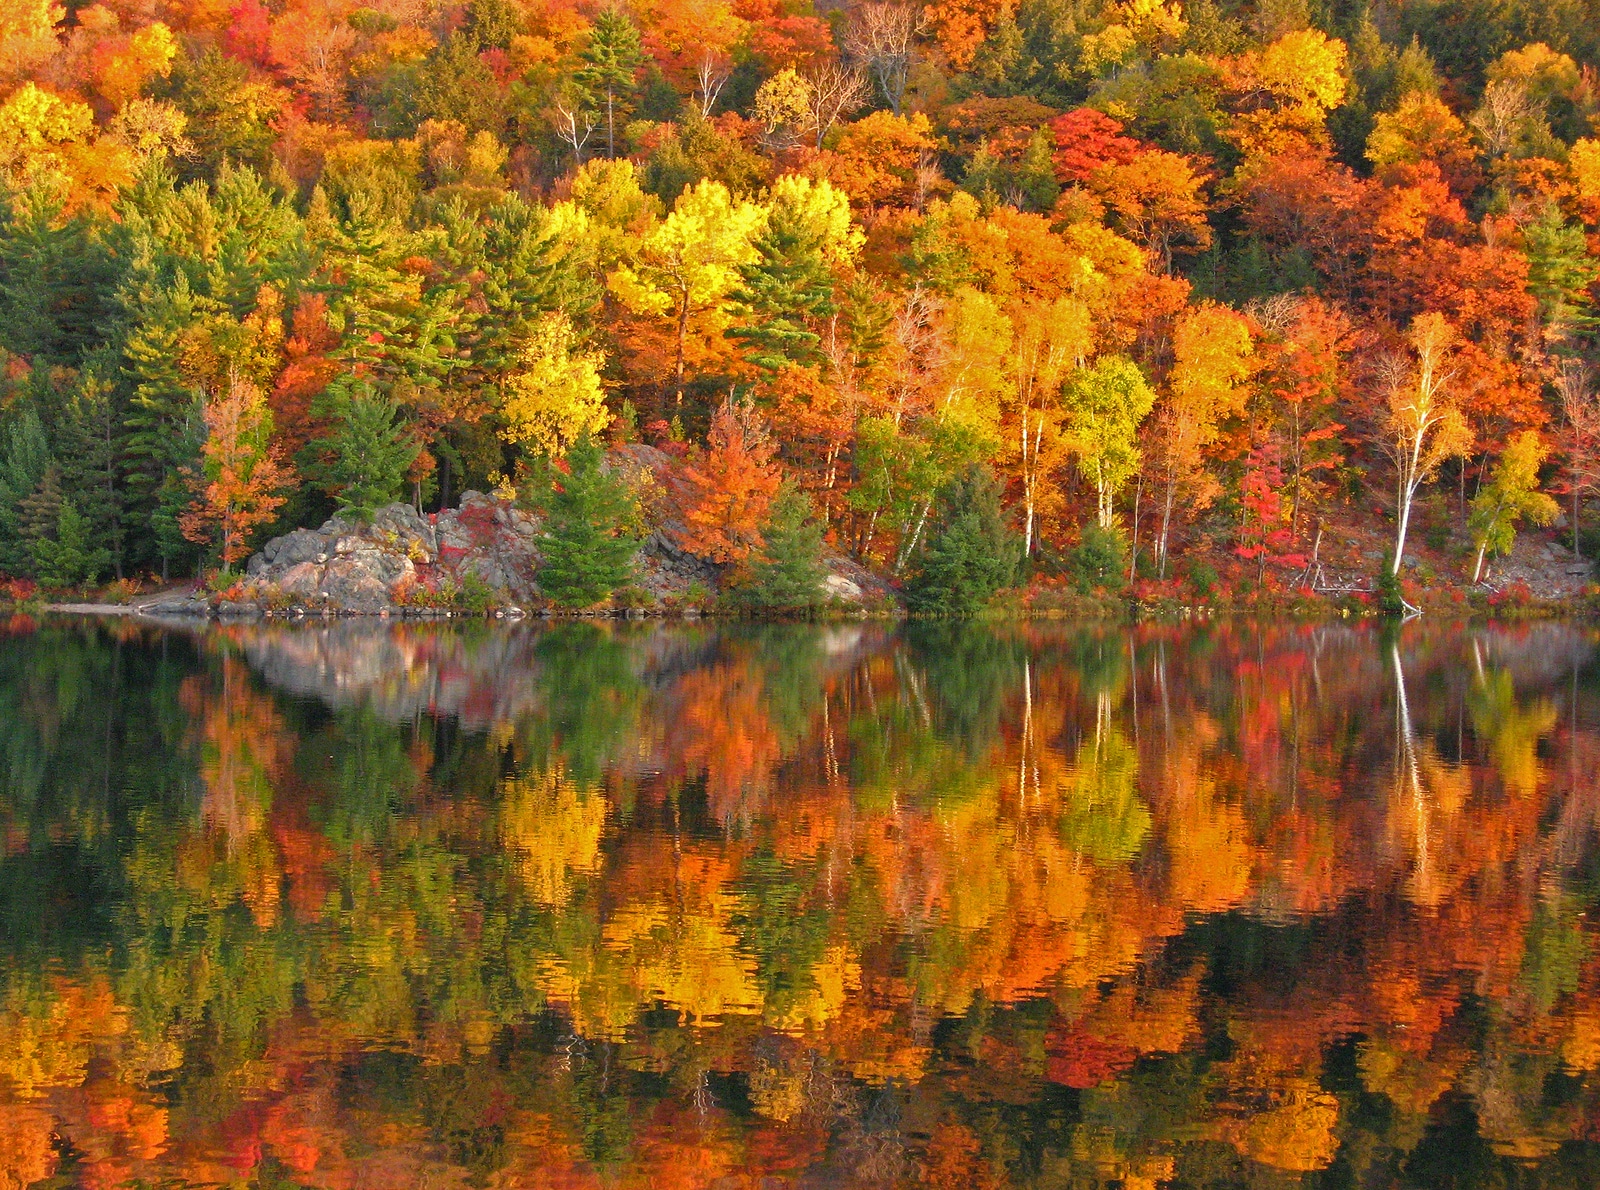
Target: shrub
x=1203, y=578
x=971, y=555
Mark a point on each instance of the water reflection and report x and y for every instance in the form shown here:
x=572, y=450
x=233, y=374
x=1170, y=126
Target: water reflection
x=589, y=905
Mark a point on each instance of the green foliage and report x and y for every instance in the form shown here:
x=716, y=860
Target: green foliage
x=611, y=63
x=1100, y=559
x=591, y=527
x=23, y=467
x=1029, y=183
x=970, y=555
x=68, y=555
x=372, y=451
x=786, y=574
x=56, y=278
x=1511, y=496
x=783, y=295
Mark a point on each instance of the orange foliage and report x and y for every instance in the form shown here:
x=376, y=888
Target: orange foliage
x=732, y=487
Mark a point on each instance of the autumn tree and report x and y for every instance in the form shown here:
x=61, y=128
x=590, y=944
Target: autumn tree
x=1423, y=425
x=1048, y=341
x=1510, y=496
x=732, y=487
x=236, y=489
x=1211, y=349
x=1158, y=201
x=1580, y=408
x=689, y=263
x=1105, y=404
x=554, y=395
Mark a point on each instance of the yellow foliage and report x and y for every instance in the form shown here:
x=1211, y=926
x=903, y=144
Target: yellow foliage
x=555, y=396
x=28, y=35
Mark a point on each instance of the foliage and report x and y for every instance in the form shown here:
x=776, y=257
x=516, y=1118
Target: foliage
x=372, y=452
x=1512, y=495
x=1100, y=559
x=591, y=527
x=971, y=553
x=1141, y=237
x=786, y=573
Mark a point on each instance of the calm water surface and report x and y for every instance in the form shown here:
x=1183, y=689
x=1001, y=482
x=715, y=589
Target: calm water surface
x=656, y=906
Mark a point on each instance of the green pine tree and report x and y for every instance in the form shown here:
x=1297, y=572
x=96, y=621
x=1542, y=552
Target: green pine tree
x=26, y=461
x=783, y=294
x=610, y=62
x=591, y=530
x=68, y=555
x=56, y=278
x=86, y=437
x=972, y=554
x=786, y=574
x=372, y=451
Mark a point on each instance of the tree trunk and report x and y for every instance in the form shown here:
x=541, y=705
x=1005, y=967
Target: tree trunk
x=1166, y=525
x=683, y=334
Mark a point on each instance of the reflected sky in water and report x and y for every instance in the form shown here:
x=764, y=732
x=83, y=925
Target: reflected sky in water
x=594, y=905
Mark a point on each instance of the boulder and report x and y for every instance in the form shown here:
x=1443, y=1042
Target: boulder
x=376, y=566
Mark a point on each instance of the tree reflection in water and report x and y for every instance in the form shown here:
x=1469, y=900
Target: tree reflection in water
x=574, y=905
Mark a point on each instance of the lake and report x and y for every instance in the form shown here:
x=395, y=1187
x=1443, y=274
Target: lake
x=365, y=904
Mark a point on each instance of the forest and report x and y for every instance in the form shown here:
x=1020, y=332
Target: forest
x=1115, y=289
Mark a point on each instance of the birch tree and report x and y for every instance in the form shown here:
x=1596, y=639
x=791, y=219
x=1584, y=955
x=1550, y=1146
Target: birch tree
x=1424, y=426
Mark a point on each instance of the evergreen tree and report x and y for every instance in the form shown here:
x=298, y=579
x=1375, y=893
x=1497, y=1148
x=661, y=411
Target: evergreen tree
x=68, y=555
x=783, y=293
x=610, y=61
x=159, y=433
x=87, y=445
x=787, y=572
x=56, y=278
x=590, y=530
x=972, y=554
x=24, y=465
x=372, y=452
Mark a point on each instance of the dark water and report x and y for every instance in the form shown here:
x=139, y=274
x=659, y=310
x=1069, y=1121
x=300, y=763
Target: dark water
x=384, y=906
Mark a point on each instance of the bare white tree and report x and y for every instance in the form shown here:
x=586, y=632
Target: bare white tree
x=574, y=126
x=1506, y=115
x=1580, y=407
x=709, y=79
x=836, y=92
x=882, y=37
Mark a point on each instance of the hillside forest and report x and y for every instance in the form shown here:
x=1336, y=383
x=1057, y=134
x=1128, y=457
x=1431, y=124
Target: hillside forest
x=1147, y=283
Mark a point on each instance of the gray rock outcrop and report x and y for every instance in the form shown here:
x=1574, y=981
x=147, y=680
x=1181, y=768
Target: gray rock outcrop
x=400, y=557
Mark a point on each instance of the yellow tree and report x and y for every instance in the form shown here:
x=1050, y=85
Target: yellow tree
x=689, y=262
x=1211, y=348
x=1424, y=426
x=1105, y=404
x=1286, y=90
x=28, y=35
x=1051, y=339
x=554, y=397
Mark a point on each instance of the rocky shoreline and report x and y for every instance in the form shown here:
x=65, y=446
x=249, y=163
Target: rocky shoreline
x=482, y=558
